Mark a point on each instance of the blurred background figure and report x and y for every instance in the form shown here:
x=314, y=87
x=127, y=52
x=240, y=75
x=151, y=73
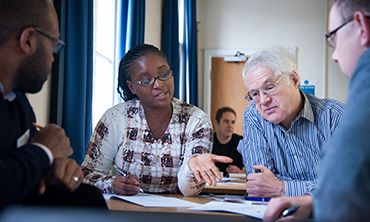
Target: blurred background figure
x=225, y=141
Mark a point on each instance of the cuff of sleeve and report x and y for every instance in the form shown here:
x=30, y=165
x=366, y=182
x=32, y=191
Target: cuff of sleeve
x=294, y=188
x=47, y=151
x=187, y=169
x=287, y=188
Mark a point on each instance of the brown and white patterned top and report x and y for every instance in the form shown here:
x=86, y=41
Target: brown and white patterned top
x=123, y=137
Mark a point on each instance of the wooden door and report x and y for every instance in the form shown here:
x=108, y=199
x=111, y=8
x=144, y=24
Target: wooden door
x=227, y=89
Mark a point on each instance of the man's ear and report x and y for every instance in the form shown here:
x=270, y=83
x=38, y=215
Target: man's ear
x=131, y=87
x=295, y=78
x=364, y=24
x=28, y=41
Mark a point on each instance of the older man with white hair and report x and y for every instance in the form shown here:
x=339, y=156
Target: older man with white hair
x=284, y=129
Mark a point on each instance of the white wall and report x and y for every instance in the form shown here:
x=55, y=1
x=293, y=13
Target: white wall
x=244, y=24
x=40, y=103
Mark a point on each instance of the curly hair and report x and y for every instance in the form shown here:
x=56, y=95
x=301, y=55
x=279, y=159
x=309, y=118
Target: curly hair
x=124, y=74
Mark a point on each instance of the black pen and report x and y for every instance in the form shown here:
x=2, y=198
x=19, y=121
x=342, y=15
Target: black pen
x=120, y=171
x=125, y=175
x=291, y=210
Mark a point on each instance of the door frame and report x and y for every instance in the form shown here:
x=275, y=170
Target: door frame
x=208, y=55
x=207, y=60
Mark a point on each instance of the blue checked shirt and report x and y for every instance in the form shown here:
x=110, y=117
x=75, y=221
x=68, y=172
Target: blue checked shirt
x=291, y=154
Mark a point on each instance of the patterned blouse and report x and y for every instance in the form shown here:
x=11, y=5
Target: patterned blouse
x=123, y=138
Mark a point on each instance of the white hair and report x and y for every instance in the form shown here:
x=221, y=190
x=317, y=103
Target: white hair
x=278, y=59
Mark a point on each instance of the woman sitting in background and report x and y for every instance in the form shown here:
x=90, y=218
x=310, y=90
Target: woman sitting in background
x=157, y=143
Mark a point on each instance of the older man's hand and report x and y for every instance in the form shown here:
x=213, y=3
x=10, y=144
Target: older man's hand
x=264, y=183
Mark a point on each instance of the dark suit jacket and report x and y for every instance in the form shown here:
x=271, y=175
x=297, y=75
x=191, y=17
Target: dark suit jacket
x=20, y=167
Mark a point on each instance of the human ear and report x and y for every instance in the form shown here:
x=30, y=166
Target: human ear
x=28, y=41
x=131, y=87
x=295, y=78
x=363, y=22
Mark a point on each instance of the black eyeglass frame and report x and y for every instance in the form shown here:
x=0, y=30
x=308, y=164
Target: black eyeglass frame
x=152, y=80
x=59, y=43
x=275, y=83
x=333, y=32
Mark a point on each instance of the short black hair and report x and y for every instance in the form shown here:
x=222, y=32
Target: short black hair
x=223, y=110
x=16, y=15
x=124, y=67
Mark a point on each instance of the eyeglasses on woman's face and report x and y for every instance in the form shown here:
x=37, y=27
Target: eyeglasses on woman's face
x=146, y=82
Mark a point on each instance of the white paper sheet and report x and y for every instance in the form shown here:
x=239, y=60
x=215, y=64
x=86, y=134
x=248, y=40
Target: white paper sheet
x=229, y=179
x=152, y=200
x=237, y=175
x=246, y=208
x=107, y=196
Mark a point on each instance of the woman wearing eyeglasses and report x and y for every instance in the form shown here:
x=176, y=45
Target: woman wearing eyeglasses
x=153, y=141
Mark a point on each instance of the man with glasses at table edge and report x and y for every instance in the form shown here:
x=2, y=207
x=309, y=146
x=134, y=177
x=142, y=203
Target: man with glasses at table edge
x=284, y=129
x=343, y=191
x=34, y=164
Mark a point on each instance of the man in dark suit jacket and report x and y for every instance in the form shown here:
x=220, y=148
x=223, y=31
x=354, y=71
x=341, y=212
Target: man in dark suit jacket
x=34, y=164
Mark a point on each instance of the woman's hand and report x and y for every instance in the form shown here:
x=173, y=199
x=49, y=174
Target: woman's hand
x=204, y=168
x=126, y=185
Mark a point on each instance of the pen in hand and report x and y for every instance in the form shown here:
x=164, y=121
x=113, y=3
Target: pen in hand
x=120, y=171
x=290, y=211
x=125, y=175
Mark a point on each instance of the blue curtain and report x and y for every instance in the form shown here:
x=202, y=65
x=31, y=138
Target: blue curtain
x=182, y=57
x=170, y=39
x=136, y=22
x=122, y=35
x=191, y=50
x=71, y=94
x=73, y=84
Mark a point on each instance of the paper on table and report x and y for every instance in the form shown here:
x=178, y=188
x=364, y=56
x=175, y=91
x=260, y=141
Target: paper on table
x=151, y=200
x=230, y=179
x=107, y=196
x=237, y=175
x=246, y=208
